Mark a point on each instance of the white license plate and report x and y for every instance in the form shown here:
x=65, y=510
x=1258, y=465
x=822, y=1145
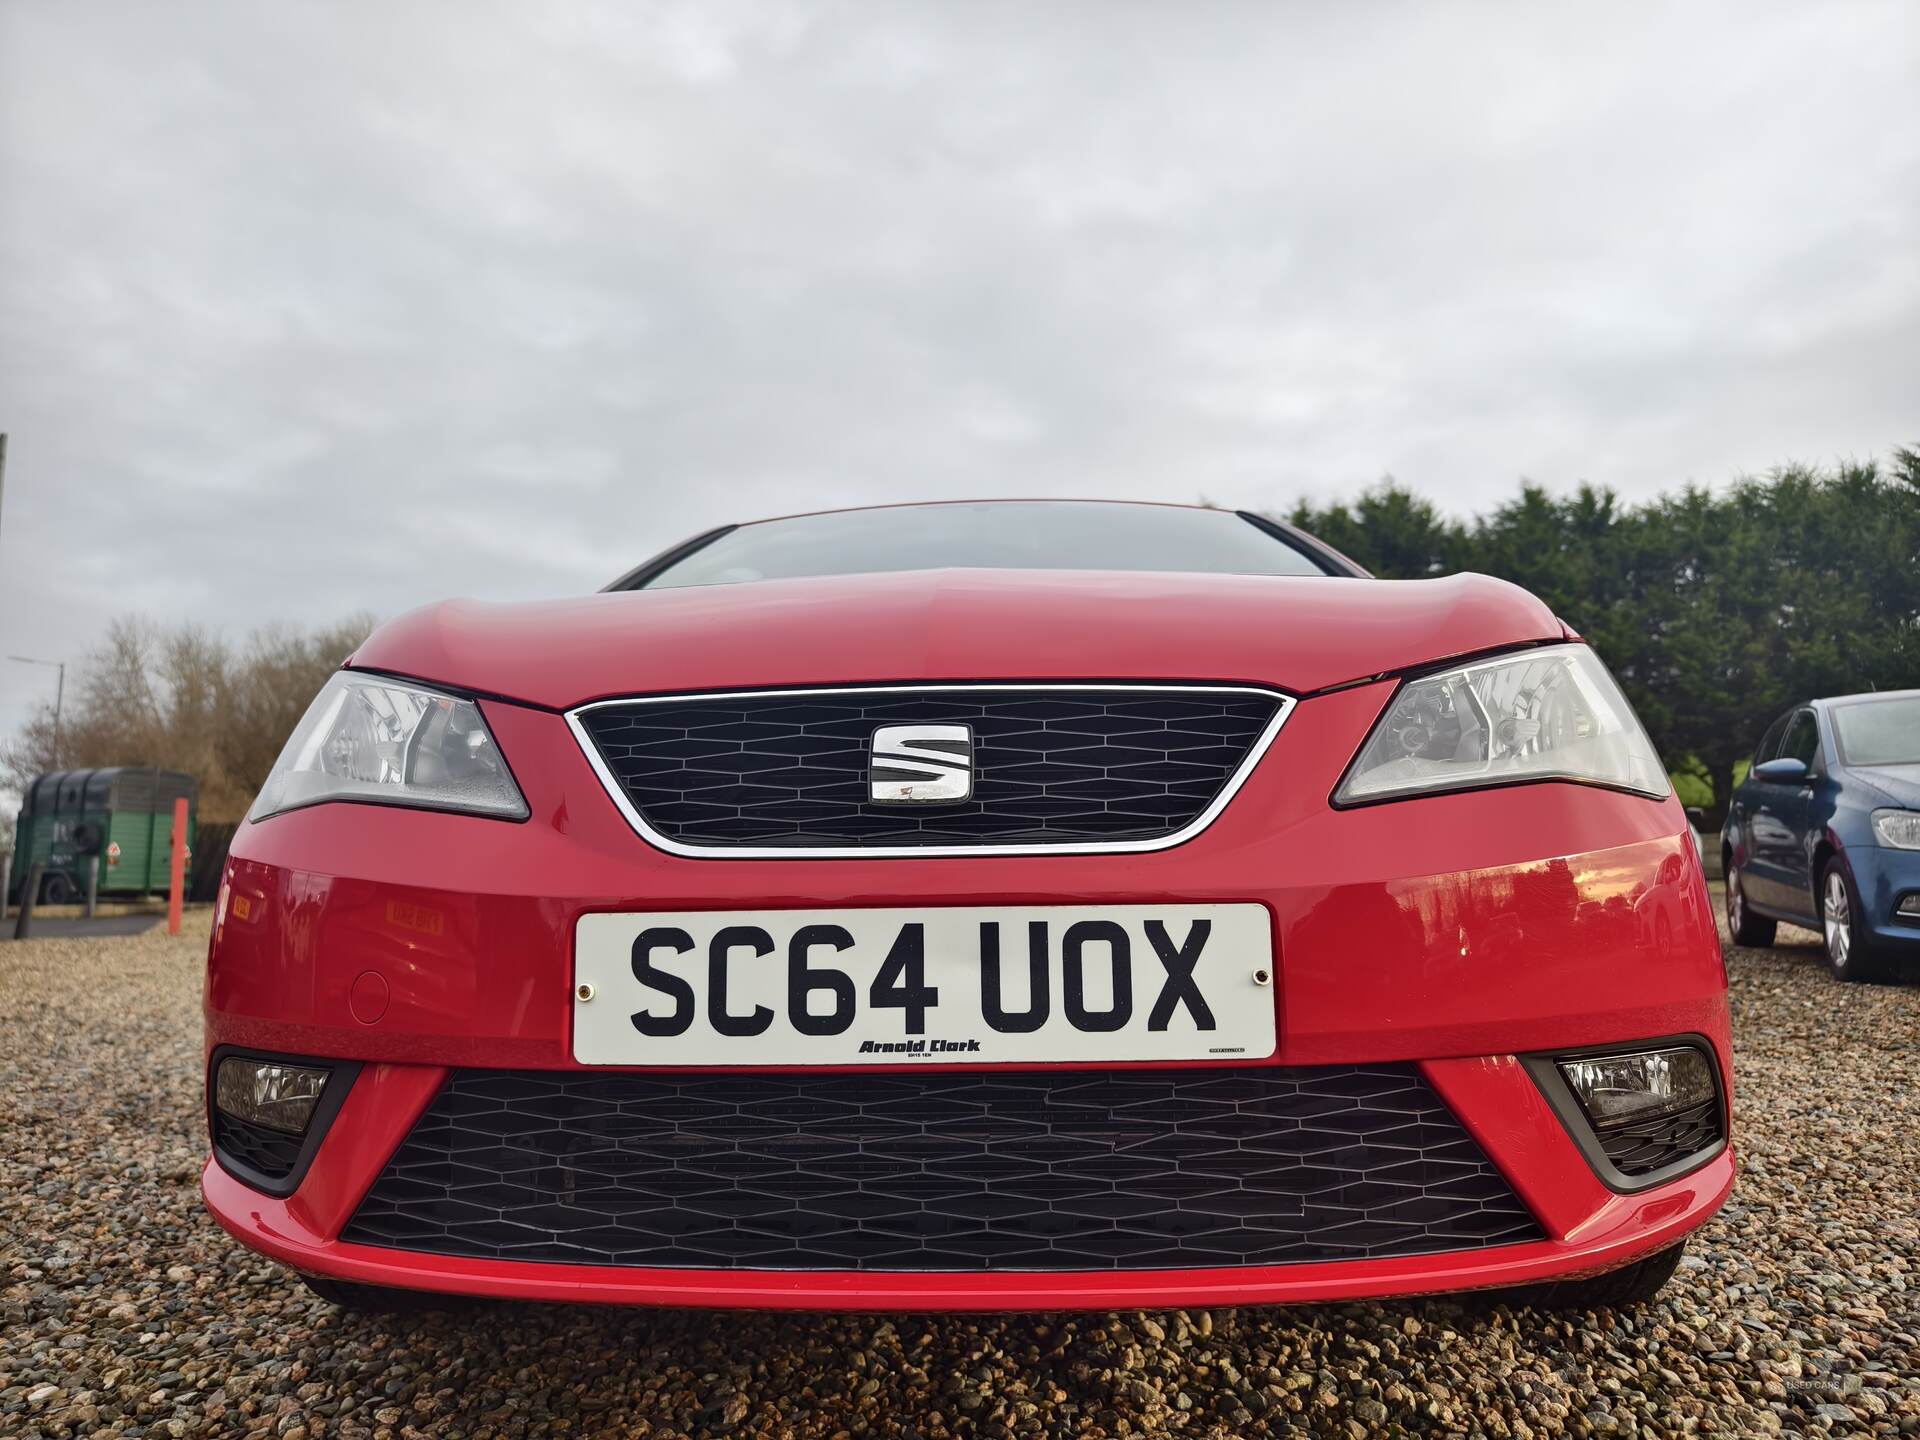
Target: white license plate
x=968, y=985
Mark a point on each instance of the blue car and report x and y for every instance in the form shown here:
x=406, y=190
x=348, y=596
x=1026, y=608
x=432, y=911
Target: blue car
x=1825, y=832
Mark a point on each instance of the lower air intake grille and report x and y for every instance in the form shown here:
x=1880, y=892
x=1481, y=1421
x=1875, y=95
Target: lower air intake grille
x=269, y=1152
x=1007, y=1171
x=1650, y=1145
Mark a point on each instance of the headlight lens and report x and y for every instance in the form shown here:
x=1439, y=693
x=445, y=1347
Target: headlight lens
x=1617, y=1090
x=1547, y=714
x=1897, y=829
x=368, y=738
x=280, y=1097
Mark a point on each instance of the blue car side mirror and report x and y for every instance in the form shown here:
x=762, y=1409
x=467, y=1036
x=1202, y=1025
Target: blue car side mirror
x=1784, y=771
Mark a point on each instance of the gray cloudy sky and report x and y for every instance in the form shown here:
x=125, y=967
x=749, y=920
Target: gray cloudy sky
x=312, y=308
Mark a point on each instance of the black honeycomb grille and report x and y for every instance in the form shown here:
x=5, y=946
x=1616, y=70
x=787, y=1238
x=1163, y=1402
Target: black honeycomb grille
x=1650, y=1145
x=1002, y=1171
x=269, y=1152
x=1049, y=766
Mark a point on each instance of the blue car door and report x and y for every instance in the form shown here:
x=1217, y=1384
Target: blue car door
x=1749, y=801
x=1777, y=876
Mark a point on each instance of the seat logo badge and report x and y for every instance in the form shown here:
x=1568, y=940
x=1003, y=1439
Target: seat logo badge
x=920, y=765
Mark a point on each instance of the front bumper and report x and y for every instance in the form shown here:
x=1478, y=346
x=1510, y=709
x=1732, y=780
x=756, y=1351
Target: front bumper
x=1619, y=1230
x=1455, y=932
x=1885, y=877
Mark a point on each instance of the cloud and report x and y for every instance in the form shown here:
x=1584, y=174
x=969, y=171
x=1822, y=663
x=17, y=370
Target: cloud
x=309, y=309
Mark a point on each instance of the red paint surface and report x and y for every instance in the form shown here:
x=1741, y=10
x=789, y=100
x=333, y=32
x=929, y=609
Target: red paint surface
x=368, y=997
x=1416, y=930
x=1453, y=930
x=1297, y=632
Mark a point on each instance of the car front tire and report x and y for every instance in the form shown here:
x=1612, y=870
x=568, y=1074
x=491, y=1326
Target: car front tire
x=1849, y=943
x=1747, y=928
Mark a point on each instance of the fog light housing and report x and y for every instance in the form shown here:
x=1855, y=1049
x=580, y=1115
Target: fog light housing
x=269, y=1093
x=1617, y=1090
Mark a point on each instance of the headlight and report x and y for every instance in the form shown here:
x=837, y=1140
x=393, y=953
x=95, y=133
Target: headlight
x=1547, y=714
x=1897, y=829
x=280, y=1097
x=368, y=738
x=1617, y=1090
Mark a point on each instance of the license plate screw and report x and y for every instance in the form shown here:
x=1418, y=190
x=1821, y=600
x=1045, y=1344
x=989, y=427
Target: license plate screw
x=1263, y=977
x=584, y=991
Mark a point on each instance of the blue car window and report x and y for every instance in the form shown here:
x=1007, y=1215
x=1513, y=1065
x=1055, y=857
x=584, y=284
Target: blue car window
x=1802, y=742
x=1769, y=745
x=1879, y=732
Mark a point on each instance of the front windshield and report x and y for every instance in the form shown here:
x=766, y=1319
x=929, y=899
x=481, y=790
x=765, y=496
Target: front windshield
x=1009, y=535
x=1879, y=732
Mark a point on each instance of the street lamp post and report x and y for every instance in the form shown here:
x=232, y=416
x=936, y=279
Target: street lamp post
x=59, y=696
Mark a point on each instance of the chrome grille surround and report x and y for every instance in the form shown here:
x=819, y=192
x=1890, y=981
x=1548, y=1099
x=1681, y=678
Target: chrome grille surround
x=1283, y=705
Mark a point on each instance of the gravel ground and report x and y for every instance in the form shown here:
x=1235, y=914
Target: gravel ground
x=125, y=1311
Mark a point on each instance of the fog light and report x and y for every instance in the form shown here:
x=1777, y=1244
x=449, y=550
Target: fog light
x=1909, y=905
x=265, y=1092
x=1617, y=1090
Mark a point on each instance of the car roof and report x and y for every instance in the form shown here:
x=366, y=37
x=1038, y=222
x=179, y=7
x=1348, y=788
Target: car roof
x=1827, y=701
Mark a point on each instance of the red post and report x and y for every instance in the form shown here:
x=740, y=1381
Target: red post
x=177, y=884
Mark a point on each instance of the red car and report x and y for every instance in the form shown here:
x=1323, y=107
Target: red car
x=1003, y=905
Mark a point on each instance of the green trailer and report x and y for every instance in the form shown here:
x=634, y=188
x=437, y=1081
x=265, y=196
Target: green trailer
x=123, y=814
